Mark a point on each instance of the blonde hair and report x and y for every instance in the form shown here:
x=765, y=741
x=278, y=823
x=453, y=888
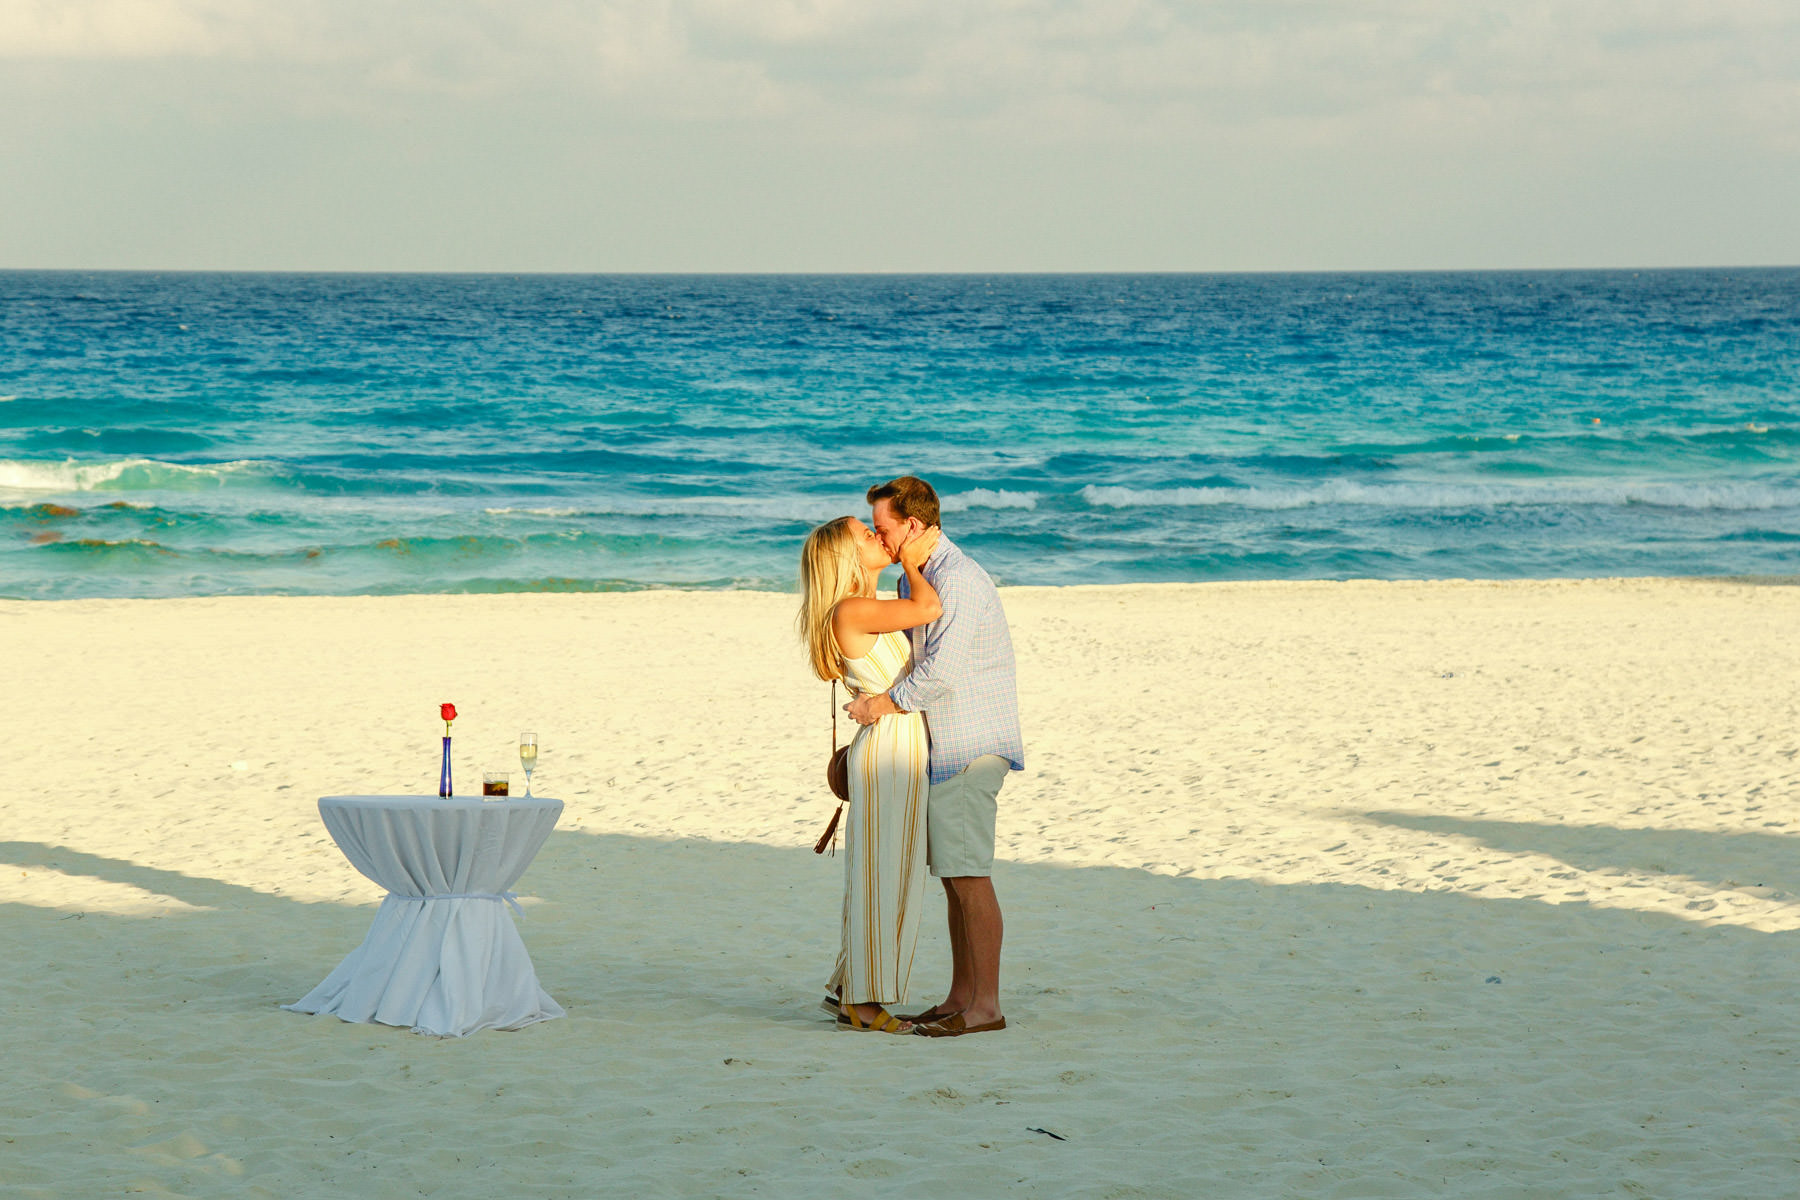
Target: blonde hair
x=830, y=571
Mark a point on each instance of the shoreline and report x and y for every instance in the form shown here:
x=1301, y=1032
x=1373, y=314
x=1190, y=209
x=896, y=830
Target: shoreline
x=1755, y=580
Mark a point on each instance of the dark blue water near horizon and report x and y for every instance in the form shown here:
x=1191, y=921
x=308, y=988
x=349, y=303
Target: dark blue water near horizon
x=166, y=434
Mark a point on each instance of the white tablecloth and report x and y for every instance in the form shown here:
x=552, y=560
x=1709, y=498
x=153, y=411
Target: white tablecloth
x=443, y=956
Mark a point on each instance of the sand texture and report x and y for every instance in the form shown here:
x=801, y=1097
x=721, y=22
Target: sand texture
x=1313, y=890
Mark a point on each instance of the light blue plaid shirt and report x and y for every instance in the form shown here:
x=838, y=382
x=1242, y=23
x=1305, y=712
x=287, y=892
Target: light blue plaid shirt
x=963, y=678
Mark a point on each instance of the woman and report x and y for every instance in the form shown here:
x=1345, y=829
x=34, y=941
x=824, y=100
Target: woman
x=853, y=636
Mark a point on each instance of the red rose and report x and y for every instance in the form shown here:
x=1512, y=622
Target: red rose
x=447, y=712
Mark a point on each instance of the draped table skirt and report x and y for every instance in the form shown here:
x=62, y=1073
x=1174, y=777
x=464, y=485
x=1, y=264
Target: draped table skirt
x=442, y=956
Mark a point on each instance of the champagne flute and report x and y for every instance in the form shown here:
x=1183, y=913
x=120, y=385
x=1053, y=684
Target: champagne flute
x=528, y=757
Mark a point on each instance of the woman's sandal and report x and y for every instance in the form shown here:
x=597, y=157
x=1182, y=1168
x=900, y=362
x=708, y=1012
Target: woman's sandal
x=884, y=1022
x=831, y=1005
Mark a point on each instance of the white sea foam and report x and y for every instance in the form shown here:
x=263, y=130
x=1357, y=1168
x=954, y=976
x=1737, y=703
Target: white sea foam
x=1735, y=497
x=539, y=512
x=763, y=508
x=987, y=498
x=766, y=508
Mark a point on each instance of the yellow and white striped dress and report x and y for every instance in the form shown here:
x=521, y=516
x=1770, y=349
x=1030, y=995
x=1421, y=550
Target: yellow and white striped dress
x=884, y=837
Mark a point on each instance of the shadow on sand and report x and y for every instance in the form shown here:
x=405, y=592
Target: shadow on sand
x=1755, y=862
x=1145, y=1008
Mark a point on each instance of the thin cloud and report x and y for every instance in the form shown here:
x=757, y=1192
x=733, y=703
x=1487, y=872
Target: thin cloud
x=127, y=29
x=954, y=55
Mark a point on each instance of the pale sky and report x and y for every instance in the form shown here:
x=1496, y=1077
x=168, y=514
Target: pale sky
x=898, y=135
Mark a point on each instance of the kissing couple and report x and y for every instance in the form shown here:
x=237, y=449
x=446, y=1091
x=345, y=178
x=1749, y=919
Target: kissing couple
x=935, y=693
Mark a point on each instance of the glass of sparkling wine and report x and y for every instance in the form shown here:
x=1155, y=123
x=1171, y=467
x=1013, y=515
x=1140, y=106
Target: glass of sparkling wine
x=528, y=757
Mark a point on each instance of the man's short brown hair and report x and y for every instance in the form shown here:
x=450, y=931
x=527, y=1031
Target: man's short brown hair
x=910, y=497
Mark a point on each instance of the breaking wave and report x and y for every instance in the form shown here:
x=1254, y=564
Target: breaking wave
x=126, y=475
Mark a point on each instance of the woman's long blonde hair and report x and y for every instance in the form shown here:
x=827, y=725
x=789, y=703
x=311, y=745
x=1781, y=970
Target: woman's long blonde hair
x=830, y=570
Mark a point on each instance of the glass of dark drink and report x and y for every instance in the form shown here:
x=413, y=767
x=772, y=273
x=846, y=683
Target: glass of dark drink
x=494, y=783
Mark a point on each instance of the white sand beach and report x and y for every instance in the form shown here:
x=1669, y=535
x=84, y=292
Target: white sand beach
x=1313, y=890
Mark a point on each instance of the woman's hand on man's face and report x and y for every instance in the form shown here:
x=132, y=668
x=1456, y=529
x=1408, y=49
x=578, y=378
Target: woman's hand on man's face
x=918, y=548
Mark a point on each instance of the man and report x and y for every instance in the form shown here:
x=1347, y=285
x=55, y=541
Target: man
x=963, y=680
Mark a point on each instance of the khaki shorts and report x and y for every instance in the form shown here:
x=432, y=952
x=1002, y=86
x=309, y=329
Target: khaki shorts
x=959, y=819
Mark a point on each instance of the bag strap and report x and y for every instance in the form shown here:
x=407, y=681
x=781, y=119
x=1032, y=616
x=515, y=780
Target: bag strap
x=829, y=837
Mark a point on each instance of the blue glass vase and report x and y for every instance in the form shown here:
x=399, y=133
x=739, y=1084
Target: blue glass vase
x=444, y=775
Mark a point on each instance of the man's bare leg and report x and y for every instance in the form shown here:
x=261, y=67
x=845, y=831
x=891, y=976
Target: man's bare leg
x=975, y=986
x=962, y=973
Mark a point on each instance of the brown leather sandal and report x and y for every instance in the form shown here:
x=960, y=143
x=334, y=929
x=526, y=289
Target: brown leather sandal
x=955, y=1026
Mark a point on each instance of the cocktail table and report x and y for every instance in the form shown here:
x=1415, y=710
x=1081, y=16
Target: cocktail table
x=442, y=956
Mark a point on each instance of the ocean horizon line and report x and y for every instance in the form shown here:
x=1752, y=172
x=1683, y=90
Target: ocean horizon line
x=899, y=273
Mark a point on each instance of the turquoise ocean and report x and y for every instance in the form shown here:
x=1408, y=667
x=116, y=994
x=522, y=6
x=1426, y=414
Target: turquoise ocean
x=188, y=434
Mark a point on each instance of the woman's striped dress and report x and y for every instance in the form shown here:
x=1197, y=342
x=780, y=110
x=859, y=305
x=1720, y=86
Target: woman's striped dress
x=884, y=860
